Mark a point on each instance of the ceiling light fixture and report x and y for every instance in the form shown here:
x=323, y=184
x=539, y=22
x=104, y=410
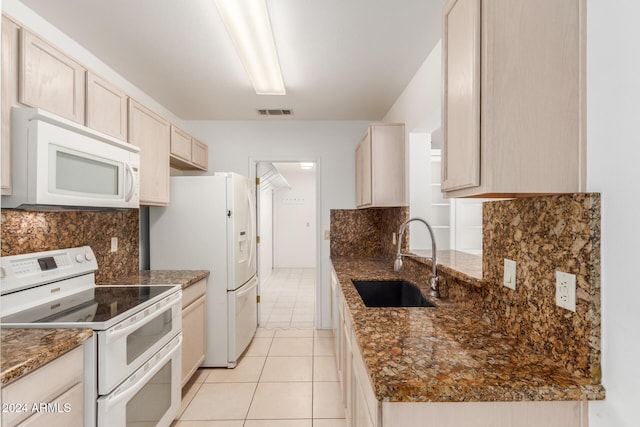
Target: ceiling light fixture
x=248, y=25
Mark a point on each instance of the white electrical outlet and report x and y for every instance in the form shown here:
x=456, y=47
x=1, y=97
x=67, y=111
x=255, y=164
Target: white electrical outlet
x=327, y=235
x=566, y=290
x=114, y=244
x=509, y=274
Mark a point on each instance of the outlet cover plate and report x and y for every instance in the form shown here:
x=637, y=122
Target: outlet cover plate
x=566, y=290
x=509, y=279
x=114, y=244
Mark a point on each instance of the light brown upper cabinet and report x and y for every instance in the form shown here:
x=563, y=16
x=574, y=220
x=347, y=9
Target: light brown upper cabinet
x=513, y=108
x=152, y=134
x=51, y=80
x=187, y=153
x=9, y=90
x=106, y=107
x=380, y=167
x=180, y=144
x=199, y=154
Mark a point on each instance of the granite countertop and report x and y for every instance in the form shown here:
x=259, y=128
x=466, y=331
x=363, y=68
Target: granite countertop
x=25, y=350
x=447, y=354
x=185, y=278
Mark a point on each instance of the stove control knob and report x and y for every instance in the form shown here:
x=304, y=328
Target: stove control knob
x=88, y=256
x=79, y=258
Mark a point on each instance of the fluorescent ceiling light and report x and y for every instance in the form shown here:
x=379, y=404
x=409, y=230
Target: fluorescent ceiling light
x=306, y=165
x=248, y=25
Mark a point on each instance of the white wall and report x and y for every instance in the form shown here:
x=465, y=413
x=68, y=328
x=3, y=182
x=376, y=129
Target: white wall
x=418, y=107
x=613, y=157
x=233, y=144
x=419, y=164
x=294, y=215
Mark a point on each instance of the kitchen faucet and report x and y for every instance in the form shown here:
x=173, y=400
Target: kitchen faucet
x=397, y=265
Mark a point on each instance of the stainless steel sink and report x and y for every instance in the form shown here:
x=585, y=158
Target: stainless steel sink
x=390, y=293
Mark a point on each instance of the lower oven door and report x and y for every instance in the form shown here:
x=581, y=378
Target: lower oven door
x=151, y=396
x=124, y=347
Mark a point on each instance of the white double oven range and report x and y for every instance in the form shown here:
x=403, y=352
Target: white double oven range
x=133, y=360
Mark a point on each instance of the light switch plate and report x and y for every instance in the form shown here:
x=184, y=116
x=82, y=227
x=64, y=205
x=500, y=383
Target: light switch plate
x=114, y=244
x=566, y=290
x=509, y=274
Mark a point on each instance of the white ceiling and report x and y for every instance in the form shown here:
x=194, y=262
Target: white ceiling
x=341, y=59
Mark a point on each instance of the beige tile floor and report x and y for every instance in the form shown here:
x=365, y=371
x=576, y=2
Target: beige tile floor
x=288, y=298
x=286, y=378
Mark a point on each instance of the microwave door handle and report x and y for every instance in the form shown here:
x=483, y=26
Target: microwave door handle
x=126, y=394
x=132, y=184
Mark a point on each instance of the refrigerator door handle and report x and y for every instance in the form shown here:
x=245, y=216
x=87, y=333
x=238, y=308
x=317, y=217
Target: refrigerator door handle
x=252, y=235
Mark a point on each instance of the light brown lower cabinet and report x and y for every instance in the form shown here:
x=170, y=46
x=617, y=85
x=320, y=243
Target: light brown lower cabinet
x=494, y=414
x=193, y=328
x=56, y=390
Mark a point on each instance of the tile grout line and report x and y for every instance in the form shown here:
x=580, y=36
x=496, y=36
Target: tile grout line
x=255, y=390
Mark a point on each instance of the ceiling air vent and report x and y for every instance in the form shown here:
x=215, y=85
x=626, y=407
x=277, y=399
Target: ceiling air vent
x=275, y=112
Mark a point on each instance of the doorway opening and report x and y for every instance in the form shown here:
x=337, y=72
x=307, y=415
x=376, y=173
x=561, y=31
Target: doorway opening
x=287, y=223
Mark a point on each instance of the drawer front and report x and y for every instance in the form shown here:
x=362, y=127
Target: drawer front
x=66, y=410
x=193, y=292
x=59, y=375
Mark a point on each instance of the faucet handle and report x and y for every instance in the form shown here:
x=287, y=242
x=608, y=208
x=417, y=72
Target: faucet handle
x=434, y=284
x=397, y=264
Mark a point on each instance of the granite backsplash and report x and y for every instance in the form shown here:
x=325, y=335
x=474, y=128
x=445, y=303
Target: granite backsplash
x=30, y=231
x=542, y=235
x=366, y=233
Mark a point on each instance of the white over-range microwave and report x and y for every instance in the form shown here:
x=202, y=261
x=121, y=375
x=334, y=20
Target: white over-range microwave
x=57, y=163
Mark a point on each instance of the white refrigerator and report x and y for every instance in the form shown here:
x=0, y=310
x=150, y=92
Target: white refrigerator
x=210, y=225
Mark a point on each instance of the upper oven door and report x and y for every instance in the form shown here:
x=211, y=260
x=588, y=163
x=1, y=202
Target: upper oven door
x=124, y=347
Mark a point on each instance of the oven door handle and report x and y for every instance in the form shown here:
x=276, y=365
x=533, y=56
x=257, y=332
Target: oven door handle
x=135, y=384
x=141, y=318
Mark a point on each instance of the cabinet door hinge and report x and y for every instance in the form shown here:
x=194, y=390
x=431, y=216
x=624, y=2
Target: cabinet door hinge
x=257, y=239
x=258, y=299
x=257, y=181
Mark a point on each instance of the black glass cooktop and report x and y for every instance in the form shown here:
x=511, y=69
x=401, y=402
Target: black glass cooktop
x=97, y=308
